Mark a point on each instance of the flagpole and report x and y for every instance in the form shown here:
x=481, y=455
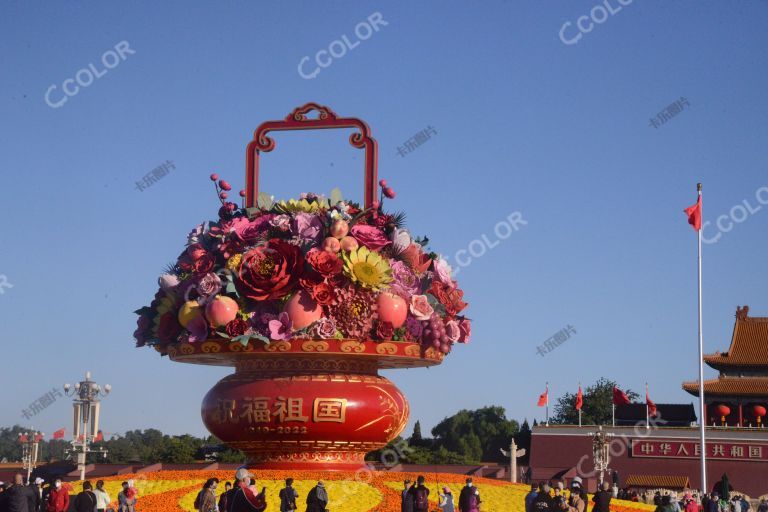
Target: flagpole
x=647, y=416
x=581, y=406
x=547, y=403
x=702, y=426
x=613, y=414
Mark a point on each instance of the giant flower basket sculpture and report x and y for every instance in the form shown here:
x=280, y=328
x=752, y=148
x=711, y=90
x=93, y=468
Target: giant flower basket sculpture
x=307, y=299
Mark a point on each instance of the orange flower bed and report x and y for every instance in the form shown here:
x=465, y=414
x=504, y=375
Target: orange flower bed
x=364, y=491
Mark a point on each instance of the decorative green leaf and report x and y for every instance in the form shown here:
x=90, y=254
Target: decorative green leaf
x=252, y=211
x=232, y=289
x=336, y=196
x=265, y=201
x=439, y=308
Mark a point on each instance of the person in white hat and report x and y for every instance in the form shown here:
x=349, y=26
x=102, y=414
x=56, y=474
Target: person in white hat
x=243, y=498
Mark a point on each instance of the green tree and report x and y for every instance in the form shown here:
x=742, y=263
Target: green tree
x=476, y=435
x=596, y=410
x=416, y=438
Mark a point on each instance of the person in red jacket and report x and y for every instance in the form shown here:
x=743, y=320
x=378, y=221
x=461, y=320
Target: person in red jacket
x=58, y=498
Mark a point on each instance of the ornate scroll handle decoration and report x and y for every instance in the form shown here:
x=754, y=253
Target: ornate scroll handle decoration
x=172, y=351
x=186, y=349
x=314, y=346
x=298, y=120
x=279, y=346
x=413, y=350
x=210, y=347
x=352, y=346
x=386, y=348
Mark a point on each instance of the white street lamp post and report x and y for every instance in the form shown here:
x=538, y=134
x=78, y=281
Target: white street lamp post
x=87, y=407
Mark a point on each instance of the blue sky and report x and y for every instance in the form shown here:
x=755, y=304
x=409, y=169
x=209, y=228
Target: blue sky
x=525, y=123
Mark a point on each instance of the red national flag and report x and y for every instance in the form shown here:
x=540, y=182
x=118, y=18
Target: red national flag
x=543, y=398
x=652, y=411
x=23, y=438
x=81, y=438
x=38, y=438
x=59, y=434
x=619, y=397
x=579, y=400
x=694, y=214
x=99, y=437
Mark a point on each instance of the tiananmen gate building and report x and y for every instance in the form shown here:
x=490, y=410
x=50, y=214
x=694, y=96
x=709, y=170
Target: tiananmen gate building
x=666, y=455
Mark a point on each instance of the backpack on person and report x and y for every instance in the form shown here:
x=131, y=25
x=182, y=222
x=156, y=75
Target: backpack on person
x=422, y=498
x=198, y=500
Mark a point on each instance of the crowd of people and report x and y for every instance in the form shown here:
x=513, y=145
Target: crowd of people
x=37, y=496
x=544, y=497
x=415, y=497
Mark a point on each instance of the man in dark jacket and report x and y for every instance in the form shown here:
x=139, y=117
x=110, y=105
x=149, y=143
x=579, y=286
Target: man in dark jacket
x=420, y=495
x=86, y=500
x=406, y=498
x=602, y=498
x=18, y=497
x=543, y=501
x=469, y=499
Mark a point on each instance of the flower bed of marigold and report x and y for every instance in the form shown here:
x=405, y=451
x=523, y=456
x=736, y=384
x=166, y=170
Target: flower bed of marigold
x=175, y=491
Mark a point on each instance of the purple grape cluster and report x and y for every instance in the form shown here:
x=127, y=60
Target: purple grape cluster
x=434, y=334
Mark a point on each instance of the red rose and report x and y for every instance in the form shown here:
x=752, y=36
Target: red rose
x=236, y=327
x=169, y=328
x=448, y=297
x=196, y=251
x=384, y=330
x=204, y=264
x=324, y=262
x=310, y=279
x=185, y=262
x=323, y=293
x=270, y=271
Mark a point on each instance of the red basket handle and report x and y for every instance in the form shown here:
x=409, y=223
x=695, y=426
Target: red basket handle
x=297, y=120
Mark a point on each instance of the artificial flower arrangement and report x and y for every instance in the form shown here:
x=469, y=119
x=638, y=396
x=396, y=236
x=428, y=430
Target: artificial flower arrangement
x=310, y=268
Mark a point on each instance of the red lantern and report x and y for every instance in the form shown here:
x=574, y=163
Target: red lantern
x=759, y=412
x=723, y=411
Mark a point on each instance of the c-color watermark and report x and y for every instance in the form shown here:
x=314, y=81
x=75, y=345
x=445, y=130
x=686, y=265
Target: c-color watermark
x=478, y=247
x=556, y=340
x=738, y=214
x=110, y=59
x=4, y=283
x=598, y=14
x=338, y=47
x=669, y=112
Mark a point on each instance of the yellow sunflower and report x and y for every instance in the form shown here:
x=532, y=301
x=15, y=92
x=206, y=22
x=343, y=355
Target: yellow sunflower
x=302, y=205
x=367, y=268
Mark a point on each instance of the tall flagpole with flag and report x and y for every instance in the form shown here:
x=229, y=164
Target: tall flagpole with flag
x=694, y=214
x=647, y=415
x=544, y=401
x=579, y=402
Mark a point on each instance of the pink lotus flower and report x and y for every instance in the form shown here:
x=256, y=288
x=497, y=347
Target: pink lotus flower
x=370, y=236
x=280, y=329
x=420, y=307
x=325, y=328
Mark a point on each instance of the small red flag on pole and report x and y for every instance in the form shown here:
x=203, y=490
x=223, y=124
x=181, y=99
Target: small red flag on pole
x=579, y=400
x=23, y=438
x=694, y=214
x=619, y=397
x=543, y=398
x=38, y=438
x=59, y=434
x=99, y=437
x=652, y=411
